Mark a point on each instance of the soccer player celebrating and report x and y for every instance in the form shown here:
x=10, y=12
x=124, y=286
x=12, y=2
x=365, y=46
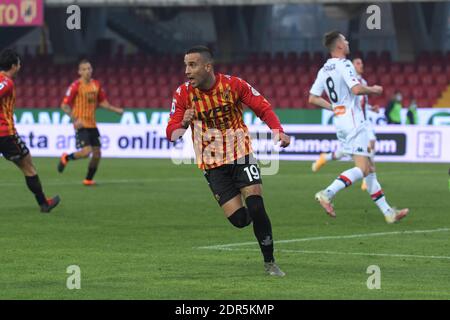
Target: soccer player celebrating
x=11, y=146
x=365, y=106
x=212, y=105
x=338, y=78
x=80, y=103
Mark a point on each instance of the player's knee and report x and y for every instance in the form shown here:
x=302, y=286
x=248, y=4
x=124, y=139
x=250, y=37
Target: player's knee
x=255, y=204
x=86, y=152
x=26, y=165
x=96, y=153
x=240, y=218
x=29, y=171
x=365, y=170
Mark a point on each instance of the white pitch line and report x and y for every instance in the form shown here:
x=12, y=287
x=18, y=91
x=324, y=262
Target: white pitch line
x=394, y=255
x=362, y=235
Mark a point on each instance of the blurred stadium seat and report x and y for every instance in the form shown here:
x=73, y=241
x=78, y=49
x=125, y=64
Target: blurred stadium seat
x=156, y=80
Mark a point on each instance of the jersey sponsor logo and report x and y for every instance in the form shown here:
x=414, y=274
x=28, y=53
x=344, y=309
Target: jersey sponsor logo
x=91, y=97
x=214, y=113
x=339, y=110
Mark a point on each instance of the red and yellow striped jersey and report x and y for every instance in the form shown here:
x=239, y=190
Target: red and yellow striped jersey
x=84, y=98
x=219, y=133
x=7, y=104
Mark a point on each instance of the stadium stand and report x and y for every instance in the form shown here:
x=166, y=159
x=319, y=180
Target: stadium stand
x=146, y=81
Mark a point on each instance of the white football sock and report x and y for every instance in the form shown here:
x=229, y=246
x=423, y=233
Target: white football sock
x=344, y=180
x=377, y=194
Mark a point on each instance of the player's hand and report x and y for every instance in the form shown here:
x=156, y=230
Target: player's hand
x=376, y=108
x=189, y=115
x=284, y=138
x=377, y=89
x=78, y=124
x=119, y=110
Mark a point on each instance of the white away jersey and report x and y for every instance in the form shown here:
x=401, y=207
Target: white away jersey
x=337, y=77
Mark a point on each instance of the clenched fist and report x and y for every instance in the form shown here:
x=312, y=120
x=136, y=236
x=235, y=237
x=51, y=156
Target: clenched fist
x=284, y=138
x=188, y=117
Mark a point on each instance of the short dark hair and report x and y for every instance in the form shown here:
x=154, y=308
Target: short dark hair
x=203, y=50
x=329, y=39
x=82, y=61
x=8, y=58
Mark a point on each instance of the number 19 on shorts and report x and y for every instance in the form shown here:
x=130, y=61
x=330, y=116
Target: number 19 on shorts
x=252, y=172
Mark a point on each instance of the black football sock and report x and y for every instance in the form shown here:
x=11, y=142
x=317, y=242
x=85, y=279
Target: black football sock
x=240, y=218
x=34, y=184
x=71, y=157
x=91, y=173
x=261, y=226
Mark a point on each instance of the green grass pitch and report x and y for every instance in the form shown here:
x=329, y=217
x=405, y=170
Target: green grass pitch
x=139, y=233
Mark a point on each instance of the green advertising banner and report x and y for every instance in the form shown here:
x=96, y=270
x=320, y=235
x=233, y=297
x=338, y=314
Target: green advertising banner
x=153, y=116
x=427, y=116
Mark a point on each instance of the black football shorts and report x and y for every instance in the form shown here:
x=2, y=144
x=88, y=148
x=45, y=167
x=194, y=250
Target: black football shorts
x=13, y=148
x=227, y=180
x=87, y=137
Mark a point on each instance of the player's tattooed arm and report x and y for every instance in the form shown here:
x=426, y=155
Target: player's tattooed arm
x=320, y=102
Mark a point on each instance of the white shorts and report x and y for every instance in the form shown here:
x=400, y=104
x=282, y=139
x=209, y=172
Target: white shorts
x=371, y=130
x=356, y=142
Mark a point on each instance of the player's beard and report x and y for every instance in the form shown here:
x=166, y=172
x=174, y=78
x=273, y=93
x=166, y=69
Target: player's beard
x=193, y=82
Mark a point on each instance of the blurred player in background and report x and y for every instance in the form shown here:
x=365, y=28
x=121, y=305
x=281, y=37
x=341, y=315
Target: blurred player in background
x=80, y=103
x=212, y=105
x=11, y=146
x=339, y=79
x=366, y=107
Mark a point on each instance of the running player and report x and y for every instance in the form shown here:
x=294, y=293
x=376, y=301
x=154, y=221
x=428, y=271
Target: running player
x=339, y=79
x=81, y=100
x=11, y=146
x=364, y=100
x=212, y=105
